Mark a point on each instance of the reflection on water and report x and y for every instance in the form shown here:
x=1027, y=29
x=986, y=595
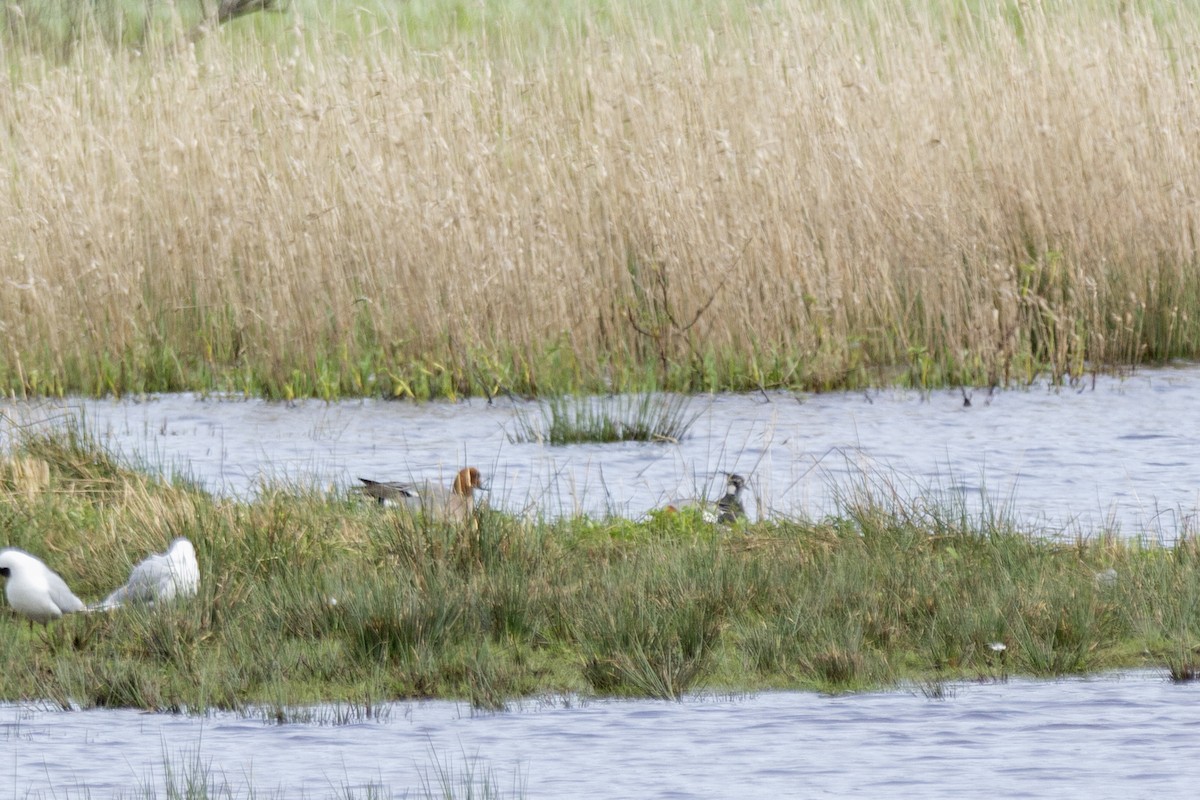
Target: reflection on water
x=1119, y=453
x=1126, y=735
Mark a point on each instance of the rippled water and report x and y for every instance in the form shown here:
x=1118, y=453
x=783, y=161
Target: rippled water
x=1118, y=454
x=1127, y=735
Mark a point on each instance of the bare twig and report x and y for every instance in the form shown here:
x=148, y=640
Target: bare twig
x=660, y=332
x=728, y=273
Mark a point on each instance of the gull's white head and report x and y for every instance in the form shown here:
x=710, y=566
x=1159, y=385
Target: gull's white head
x=34, y=590
x=185, y=571
x=182, y=549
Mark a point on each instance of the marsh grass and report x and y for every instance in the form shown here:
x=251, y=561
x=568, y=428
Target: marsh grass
x=432, y=199
x=635, y=417
x=653, y=643
x=1183, y=665
x=307, y=599
x=469, y=780
x=189, y=775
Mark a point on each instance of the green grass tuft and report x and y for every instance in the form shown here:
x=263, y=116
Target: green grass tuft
x=640, y=417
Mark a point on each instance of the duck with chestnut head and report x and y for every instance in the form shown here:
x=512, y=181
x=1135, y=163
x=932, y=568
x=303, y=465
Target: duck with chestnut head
x=430, y=498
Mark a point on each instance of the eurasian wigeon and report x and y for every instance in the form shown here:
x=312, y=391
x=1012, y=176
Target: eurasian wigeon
x=34, y=590
x=158, y=578
x=725, y=510
x=458, y=500
x=729, y=507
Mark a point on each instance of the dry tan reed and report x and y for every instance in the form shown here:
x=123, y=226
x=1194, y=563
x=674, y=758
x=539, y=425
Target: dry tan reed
x=813, y=196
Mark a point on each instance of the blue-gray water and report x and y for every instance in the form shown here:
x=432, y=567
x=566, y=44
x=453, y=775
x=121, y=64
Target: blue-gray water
x=1119, y=454
x=1118, y=736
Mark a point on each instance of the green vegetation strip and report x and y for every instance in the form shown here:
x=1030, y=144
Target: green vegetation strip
x=308, y=597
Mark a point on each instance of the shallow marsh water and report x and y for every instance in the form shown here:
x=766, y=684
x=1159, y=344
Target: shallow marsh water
x=1124, y=735
x=1116, y=453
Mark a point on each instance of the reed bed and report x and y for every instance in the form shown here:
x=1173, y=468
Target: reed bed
x=310, y=598
x=706, y=195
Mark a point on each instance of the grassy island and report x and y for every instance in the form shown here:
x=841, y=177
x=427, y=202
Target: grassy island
x=309, y=598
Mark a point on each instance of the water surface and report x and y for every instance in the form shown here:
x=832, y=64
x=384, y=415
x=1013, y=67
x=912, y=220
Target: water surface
x=1115, y=454
x=1118, y=736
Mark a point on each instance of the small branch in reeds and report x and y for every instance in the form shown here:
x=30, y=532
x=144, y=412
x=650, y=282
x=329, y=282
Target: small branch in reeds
x=661, y=332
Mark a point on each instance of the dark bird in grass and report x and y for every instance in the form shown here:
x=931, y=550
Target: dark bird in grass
x=729, y=507
x=725, y=510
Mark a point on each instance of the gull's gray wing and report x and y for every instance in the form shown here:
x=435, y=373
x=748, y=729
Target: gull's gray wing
x=142, y=584
x=61, y=594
